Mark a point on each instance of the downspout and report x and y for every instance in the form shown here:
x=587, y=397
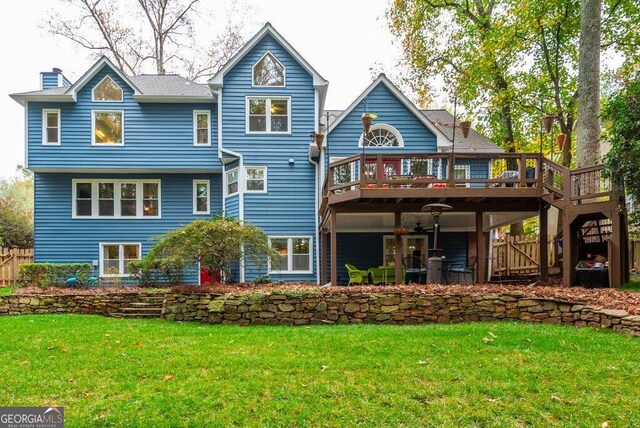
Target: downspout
x=222, y=150
x=316, y=119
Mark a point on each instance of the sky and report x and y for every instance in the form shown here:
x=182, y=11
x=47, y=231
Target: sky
x=341, y=39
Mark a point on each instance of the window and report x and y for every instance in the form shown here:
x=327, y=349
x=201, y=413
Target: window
x=115, y=258
x=256, y=179
x=232, y=181
x=116, y=198
x=268, y=71
x=108, y=128
x=268, y=115
x=201, y=128
x=295, y=254
x=51, y=127
x=461, y=172
x=382, y=136
x=107, y=91
x=201, y=197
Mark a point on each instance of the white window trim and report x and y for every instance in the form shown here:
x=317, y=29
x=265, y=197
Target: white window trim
x=116, y=201
x=284, y=72
x=195, y=197
x=268, y=115
x=467, y=173
x=405, y=244
x=195, y=128
x=226, y=181
x=93, y=98
x=93, y=128
x=290, y=239
x=246, y=179
x=388, y=128
x=120, y=260
x=44, y=126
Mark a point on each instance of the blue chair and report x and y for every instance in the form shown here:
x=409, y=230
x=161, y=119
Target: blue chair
x=468, y=270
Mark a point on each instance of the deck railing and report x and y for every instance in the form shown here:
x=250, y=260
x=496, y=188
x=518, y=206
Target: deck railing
x=445, y=170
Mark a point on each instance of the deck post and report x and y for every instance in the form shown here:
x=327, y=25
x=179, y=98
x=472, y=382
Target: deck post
x=569, y=248
x=334, y=249
x=398, y=249
x=323, y=256
x=480, y=248
x=615, y=253
x=543, y=263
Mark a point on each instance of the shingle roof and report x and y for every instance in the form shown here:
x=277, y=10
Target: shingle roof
x=474, y=142
x=51, y=91
x=169, y=85
x=443, y=120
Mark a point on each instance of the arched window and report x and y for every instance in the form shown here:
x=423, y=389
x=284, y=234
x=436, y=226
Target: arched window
x=268, y=71
x=107, y=90
x=382, y=135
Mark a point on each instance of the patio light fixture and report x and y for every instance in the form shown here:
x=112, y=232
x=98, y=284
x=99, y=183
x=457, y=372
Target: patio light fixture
x=436, y=211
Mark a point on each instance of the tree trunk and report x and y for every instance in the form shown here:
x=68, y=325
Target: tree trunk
x=588, y=123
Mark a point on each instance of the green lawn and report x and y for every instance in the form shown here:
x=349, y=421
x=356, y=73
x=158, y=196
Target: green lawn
x=633, y=284
x=128, y=373
x=5, y=291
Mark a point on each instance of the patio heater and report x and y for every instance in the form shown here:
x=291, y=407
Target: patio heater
x=434, y=263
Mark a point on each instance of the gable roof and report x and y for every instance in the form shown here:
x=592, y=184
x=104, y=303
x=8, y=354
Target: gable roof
x=441, y=138
x=95, y=68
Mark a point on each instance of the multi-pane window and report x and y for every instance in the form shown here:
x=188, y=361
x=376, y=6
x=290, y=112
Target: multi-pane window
x=201, y=197
x=107, y=91
x=256, y=179
x=201, y=128
x=51, y=127
x=294, y=254
x=115, y=258
x=461, y=172
x=268, y=71
x=116, y=198
x=382, y=136
x=108, y=127
x=232, y=181
x=268, y=114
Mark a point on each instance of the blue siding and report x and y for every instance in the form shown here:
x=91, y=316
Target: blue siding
x=59, y=238
x=343, y=139
x=166, y=130
x=288, y=208
x=365, y=250
x=49, y=79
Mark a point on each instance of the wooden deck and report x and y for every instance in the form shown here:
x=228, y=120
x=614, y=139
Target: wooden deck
x=516, y=182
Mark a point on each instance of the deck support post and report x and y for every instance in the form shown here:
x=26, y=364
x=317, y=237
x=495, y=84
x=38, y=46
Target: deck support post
x=543, y=266
x=398, y=250
x=323, y=256
x=480, y=248
x=334, y=249
x=569, y=250
x=615, y=254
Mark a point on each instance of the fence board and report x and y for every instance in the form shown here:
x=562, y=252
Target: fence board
x=518, y=255
x=10, y=259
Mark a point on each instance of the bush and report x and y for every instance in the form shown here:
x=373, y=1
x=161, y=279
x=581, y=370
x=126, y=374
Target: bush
x=47, y=274
x=150, y=272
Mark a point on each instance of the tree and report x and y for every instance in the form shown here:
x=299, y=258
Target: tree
x=16, y=210
x=588, y=125
x=215, y=243
x=137, y=33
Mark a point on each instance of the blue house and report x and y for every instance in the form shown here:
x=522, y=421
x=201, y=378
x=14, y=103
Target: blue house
x=119, y=160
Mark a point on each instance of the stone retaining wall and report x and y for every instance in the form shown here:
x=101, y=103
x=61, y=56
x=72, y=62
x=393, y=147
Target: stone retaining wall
x=326, y=308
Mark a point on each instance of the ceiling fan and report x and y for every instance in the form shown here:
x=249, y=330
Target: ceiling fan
x=419, y=230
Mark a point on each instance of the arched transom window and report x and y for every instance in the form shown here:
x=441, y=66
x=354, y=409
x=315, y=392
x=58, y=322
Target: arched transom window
x=107, y=90
x=382, y=136
x=268, y=71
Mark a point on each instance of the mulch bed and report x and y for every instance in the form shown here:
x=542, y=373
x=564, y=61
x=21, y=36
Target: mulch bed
x=600, y=298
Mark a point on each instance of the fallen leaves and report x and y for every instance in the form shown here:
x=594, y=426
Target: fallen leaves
x=169, y=377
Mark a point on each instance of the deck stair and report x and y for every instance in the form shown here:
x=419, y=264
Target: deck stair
x=147, y=306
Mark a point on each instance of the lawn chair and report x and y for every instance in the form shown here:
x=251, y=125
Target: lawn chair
x=466, y=269
x=376, y=276
x=356, y=276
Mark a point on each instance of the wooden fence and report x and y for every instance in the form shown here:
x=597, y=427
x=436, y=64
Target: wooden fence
x=517, y=255
x=10, y=259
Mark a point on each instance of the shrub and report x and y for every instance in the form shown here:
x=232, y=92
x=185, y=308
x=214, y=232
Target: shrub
x=47, y=274
x=150, y=272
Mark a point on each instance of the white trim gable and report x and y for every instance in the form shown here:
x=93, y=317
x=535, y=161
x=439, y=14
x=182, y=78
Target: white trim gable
x=218, y=79
x=441, y=139
x=93, y=90
x=95, y=69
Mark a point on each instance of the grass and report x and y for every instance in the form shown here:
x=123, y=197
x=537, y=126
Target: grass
x=5, y=291
x=633, y=284
x=135, y=373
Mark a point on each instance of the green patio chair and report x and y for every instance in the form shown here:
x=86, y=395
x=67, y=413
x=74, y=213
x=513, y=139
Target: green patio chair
x=376, y=276
x=356, y=276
